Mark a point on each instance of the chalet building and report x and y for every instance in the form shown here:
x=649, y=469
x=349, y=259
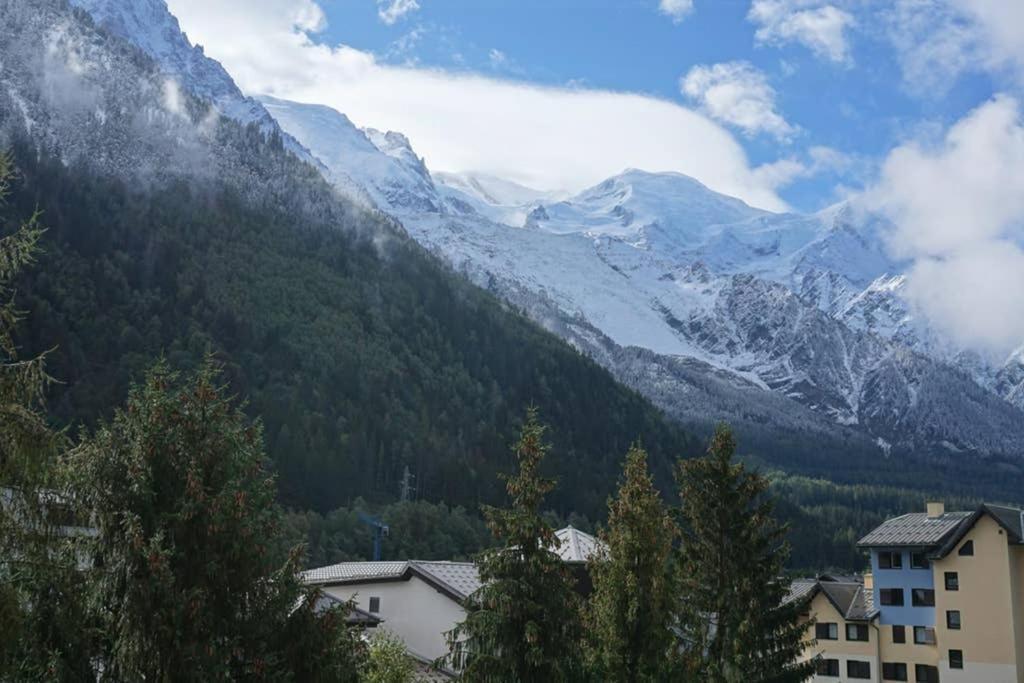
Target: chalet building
x=944, y=601
x=420, y=601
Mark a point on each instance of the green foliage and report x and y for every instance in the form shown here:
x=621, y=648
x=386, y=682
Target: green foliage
x=361, y=353
x=522, y=625
x=630, y=613
x=45, y=633
x=419, y=530
x=388, y=661
x=185, y=579
x=733, y=623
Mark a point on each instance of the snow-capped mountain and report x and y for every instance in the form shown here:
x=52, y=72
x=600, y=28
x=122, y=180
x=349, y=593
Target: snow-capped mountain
x=712, y=308
x=807, y=306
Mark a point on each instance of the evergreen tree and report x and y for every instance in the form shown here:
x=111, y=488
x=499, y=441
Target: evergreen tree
x=734, y=626
x=523, y=624
x=630, y=613
x=186, y=581
x=45, y=634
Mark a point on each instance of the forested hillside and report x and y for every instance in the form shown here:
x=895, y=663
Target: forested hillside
x=362, y=358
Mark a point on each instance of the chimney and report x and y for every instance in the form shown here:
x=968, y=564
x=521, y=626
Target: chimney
x=935, y=510
x=869, y=581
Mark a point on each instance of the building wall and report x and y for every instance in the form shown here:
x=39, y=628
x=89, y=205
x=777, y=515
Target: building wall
x=907, y=579
x=841, y=649
x=986, y=601
x=413, y=610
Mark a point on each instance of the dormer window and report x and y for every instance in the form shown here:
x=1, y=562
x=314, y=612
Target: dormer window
x=967, y=549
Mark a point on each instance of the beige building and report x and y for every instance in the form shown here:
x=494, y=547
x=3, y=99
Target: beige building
x=944, y=601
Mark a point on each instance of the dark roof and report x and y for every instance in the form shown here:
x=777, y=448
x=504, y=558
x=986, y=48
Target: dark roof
x=941, y=534
x=916, y=530
x=849, y=598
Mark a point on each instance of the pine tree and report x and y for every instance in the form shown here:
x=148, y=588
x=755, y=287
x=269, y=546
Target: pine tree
x=45, y=634
x=523, y=624
x=631, y=610
x=733, y=623
x=186, y=580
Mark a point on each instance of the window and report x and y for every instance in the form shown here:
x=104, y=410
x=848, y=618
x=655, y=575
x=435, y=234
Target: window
x=374, y=605
x=919, y=560
x=967, y=549
x=953, y=619
x=891, y=596
x=899, y=634
x=952, y=581
x=926, y=674
x=922, y=597
x=890, y=559
x=956, y=659
x=857, y=669
x=826, y=631
x=924, y=635
x=827, y=667
x=893, y=671
x=857, y=632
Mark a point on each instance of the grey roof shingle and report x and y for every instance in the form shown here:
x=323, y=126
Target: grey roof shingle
x=354, y=572
x=848, y=597
x=915, y=529
x=576, y=545
x=461, y=577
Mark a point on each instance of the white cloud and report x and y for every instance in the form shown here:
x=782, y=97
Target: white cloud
x=737, y=94
x=545, y=137
x=958, y=208
x=939, y=40
x=391, y=11
x=675, y=9
x=820, y=27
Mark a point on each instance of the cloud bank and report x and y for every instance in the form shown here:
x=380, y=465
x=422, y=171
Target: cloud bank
x=958, y=207
x=550, y=138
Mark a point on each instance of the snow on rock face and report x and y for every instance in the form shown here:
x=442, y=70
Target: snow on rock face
x=808, y=306
x=149, y=25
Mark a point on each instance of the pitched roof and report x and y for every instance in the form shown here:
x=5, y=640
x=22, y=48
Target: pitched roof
x=849, y=598
x=576, y=545
x=942, y=533
x=456, y=579
x=915, y=529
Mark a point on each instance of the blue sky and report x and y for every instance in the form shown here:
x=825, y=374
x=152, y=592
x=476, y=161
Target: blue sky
x=861, y=108
x=787, y=104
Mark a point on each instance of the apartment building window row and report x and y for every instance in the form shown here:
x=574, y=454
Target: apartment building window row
x=924, y=635
x=899, y=634
x=923, y=673
x=956, y=659
x=890, y=560
x=826, y=631
x=952, y=581
x=919, y=561
x=953, y=619
x=858, y=669
x=857, y=632
x=891, y=597
x=827, y=667
x=894, y=671
x=922, y=597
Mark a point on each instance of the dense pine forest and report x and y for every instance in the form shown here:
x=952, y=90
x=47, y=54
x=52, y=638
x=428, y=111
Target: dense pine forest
x=364, y=357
